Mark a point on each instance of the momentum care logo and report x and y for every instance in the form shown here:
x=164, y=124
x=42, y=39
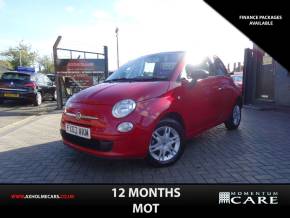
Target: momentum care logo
x=248, y=197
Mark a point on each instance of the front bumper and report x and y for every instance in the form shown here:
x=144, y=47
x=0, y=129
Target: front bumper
x=133, y=144
x=93, y=144
x=111, y=146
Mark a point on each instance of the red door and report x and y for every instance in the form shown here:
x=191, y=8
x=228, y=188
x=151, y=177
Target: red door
x=201, y=100
x=224, y=90
x=201, y=103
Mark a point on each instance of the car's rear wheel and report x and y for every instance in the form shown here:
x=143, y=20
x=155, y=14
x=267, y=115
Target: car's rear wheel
x=235, y=119
x=54, y=97
x=1, y=101
x=38, y=99
x=167, y=143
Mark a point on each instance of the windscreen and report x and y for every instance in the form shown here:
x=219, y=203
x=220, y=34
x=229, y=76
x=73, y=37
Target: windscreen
x=157, y=66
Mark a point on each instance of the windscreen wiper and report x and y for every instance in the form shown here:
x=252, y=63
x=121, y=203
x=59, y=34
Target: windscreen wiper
x=136, y=79
x=149, y=78
x=118, y=80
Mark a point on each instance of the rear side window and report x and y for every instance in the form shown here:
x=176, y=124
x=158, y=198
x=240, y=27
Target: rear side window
x=220, y=68
x=15, y=76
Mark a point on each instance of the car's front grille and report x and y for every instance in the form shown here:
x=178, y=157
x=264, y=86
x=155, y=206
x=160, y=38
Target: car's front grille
x=98, y=145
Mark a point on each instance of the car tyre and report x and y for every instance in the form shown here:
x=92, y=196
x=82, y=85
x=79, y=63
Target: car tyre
x=38, y=99
x=166, y=144
x=235, y=118
x=1, y=101
x=54, y=96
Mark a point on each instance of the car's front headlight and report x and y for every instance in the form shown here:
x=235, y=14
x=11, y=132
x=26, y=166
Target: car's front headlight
x=123, y=108
x=67, y=104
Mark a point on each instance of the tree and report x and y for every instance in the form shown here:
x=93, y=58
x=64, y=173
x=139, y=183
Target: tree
x=45, y=64
x=20, y=55
x=5, y=64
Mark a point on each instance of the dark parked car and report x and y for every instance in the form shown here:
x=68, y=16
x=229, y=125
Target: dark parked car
x=51, y=77
x=28, y=86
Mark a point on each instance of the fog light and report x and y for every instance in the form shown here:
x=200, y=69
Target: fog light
x=125, y=127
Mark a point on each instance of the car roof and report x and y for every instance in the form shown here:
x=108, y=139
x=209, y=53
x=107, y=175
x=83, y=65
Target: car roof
x=238, y=74
x=162, y=53
x=211, y=57
x=22, y=72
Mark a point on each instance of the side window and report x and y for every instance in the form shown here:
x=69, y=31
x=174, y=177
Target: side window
x=39, y=79
x=47, y=81
x=220, y=69
x=205, y=65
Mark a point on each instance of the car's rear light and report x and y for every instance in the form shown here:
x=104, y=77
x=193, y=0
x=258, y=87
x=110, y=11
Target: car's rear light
x=30, y=85
x=3, y=85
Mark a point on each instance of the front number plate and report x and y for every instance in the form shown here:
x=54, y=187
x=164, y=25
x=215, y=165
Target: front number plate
x=78, y=131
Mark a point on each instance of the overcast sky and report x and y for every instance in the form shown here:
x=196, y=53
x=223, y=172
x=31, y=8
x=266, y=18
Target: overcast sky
x=145, y=26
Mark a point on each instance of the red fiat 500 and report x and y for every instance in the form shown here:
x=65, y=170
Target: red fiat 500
x=150, y=106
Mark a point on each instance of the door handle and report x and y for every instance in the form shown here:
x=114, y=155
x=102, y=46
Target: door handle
x=220, y=88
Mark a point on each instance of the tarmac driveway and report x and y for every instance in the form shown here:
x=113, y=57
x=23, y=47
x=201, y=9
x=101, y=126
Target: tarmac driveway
x=258, y=152
x=15, y=111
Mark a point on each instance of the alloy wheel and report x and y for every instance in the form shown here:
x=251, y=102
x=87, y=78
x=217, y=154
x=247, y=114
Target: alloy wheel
x=38, y=98
x=237, y=115
x=54, y=95
x=165, y=143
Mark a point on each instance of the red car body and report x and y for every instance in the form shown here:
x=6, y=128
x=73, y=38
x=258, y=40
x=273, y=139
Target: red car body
x=197, y=107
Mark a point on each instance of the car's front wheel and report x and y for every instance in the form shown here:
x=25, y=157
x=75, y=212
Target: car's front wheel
x=235, y=118
x=167, y=143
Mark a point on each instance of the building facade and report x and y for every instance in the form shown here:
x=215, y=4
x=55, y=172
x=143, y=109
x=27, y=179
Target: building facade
x=265, y=81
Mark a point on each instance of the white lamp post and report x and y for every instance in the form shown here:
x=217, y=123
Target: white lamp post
x=117, y=31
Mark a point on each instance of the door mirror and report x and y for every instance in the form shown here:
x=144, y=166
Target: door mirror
x=184, y=82
x=195, y=73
